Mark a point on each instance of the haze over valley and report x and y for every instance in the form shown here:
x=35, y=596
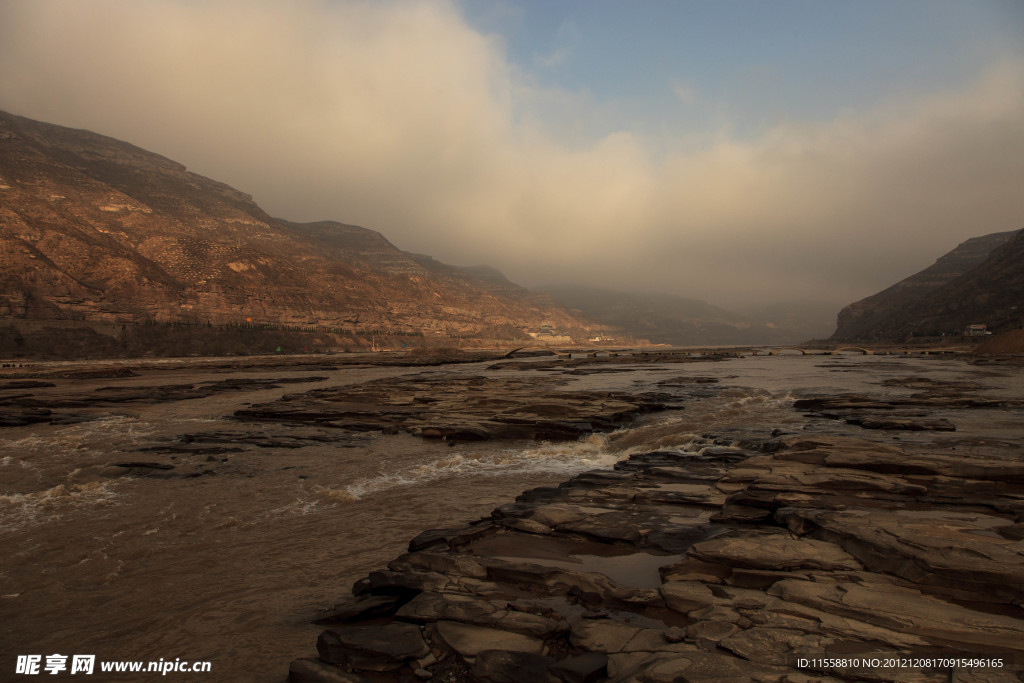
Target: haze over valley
x=778, y=175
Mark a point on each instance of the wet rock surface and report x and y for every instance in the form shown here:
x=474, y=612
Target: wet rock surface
x=465, y=408
x=71, y=405
x=907, y=413
x=596, y=362
x=750, y=562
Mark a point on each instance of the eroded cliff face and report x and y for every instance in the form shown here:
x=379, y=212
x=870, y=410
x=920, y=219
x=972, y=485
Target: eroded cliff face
x=978, y=282
x=92, y=228
x=991, y=293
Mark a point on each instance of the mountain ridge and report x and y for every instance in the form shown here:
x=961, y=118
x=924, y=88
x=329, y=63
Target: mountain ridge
x=980, y=281
x=94, y=228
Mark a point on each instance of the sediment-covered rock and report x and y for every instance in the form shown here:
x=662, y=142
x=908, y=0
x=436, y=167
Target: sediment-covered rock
x=77, y=405
x=464, y=408
x=769, y=562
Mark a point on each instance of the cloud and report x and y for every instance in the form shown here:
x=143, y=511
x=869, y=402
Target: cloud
x=403, y=118
x=568, y=37
x=553, y=58
x=684, y=93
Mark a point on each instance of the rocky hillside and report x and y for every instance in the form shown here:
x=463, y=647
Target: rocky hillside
x=979, y=282
x=95, y=229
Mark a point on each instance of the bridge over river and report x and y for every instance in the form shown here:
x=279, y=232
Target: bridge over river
x=656, y=352
x=878, y=351
x=775, y=351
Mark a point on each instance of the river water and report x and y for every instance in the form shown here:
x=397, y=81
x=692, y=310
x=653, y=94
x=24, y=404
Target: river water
x=232, y=568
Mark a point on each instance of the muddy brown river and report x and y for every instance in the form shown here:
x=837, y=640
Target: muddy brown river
x=232, y=565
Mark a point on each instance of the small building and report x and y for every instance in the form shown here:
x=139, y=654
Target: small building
x=976, y=331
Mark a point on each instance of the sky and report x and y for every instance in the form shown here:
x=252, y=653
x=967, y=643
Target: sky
x=740, y=152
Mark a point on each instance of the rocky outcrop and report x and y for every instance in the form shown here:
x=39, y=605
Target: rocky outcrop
x=991, y=293
x=21, y=407
x=914, y=412
x=804, y=557
x=979, y=282
x=464, y=408
x=95, y=229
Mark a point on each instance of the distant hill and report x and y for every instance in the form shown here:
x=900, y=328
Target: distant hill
x=95, y=229
x=979, y=282
x=793, y=321
x=670, y=319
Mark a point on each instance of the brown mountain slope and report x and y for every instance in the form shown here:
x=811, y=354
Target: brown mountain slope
x=92, y=228
x=981, y=281
x=991, y=293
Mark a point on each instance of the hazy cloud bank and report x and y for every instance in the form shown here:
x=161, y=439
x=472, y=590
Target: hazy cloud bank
x=404, y=119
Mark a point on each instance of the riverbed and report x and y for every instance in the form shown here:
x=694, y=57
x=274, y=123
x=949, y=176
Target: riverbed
x=159, y=525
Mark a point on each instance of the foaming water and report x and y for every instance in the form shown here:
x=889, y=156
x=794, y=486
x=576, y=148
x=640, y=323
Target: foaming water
x=727, y=417
x=565, y=458
x=21, y=511
x=101, y=434
x=687, y=430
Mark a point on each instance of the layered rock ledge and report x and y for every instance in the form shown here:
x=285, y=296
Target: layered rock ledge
x=437, y=405
x=749, y=563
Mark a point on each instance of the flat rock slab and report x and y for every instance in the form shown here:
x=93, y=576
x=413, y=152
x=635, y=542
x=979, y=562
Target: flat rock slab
x=430, y=606
x=721, y=611
x=699, y=667
x=778, y=646
x=907, y=610
x=688, y=596
x=469, y=641
x=904, y=424
x=687, y=494
x=374, y=648
x=777, y=551
x=611, y=636
x=463, y=408
x=941, y=548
